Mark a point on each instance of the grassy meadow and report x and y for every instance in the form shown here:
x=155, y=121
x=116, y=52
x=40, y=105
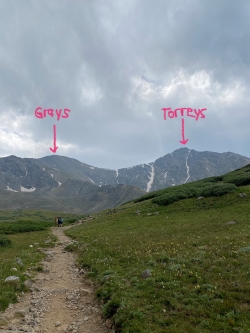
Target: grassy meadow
x=21, y=233
x=199, y=264
x=196, y=254
x=35, y=216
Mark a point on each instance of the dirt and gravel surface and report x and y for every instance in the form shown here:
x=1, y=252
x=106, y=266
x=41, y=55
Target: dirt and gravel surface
x=61, y=299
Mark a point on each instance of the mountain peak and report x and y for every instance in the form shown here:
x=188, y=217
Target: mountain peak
x=83, y=186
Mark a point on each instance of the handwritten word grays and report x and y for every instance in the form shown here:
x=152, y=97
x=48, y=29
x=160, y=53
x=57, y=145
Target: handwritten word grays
x=189, y=112
x=51, y=112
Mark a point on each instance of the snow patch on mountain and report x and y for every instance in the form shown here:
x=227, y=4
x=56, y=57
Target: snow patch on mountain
x=188, y=175
x=23, y=189
x=151, y=177
x=52, y=175
x=91, y=180
x=59, y=183
x=10, y=189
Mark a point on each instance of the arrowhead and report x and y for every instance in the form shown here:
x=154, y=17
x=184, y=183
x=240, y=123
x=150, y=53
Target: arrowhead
x=54, y=149
x=184, y=141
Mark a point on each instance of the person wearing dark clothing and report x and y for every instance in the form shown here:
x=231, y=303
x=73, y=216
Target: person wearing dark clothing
x=60, y=222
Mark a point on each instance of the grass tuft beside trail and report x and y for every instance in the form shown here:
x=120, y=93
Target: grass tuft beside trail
x=199, y=264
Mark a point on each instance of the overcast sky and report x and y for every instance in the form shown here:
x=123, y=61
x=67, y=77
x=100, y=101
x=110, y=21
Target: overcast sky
x=115, y=64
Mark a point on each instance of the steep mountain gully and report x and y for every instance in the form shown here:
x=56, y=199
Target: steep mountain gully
x=60, y=298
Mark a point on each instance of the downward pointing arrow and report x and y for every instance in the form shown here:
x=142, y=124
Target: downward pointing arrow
x=183, y=141
x=55, y=147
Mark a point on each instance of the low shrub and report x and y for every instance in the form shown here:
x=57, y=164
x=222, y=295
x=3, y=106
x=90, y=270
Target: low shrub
x=22, y=226
x=4, y=242
x=210, y=180
x=146, y=197
x=238, y=180
x=190, y=192
x=217, y=190
x=184, y=191
x=104, y=294
x=110, y=308
x=169, y=198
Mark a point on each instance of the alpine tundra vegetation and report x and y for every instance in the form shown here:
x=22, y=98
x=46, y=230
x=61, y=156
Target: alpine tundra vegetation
x=175, y=260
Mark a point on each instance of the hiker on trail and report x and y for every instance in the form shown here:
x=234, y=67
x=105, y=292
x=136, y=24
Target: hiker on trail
x=60, y=222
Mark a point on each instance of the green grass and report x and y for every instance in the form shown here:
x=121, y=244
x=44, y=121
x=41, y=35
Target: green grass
x=22, y=226
x=36, y=216
x=200, y=273
x=20, y=247
x=18, y=230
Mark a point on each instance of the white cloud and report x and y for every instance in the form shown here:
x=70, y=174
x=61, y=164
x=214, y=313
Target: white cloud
x=115, y=66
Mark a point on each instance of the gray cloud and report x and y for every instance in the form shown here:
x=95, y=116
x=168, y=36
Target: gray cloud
x=115, y=65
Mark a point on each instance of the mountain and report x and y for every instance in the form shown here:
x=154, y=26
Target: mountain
x=21, y=174
x=182, y=166
x=25, y=184
x=61, y=183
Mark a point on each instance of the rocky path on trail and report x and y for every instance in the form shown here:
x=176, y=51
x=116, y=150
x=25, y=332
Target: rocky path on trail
x=61, y=300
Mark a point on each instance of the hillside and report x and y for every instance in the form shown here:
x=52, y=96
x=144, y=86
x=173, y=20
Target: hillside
x=173, y=267
x=94, y=201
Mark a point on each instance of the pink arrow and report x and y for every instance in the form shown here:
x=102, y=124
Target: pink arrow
x=183, y=141
x=55, y=147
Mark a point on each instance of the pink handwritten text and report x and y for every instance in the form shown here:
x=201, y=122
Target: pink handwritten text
x=42, y=113
x=194, y=113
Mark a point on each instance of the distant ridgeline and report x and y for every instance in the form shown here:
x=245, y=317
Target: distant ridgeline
x=65, y=184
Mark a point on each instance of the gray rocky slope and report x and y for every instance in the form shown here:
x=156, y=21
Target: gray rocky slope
x=181, y=166
x=61, y=183
x=25, y=184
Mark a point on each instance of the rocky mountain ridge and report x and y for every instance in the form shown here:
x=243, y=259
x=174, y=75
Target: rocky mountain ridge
x=176, y=168
x=61, y=183
x=28, y=185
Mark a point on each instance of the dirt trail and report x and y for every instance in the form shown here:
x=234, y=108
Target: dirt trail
x=61, y=300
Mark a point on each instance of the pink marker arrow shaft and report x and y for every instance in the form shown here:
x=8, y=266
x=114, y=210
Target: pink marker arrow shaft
x=183, y=141
x=55, y=147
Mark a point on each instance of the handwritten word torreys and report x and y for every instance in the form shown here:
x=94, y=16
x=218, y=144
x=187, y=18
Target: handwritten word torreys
x=194, y=113
x=42, y=113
